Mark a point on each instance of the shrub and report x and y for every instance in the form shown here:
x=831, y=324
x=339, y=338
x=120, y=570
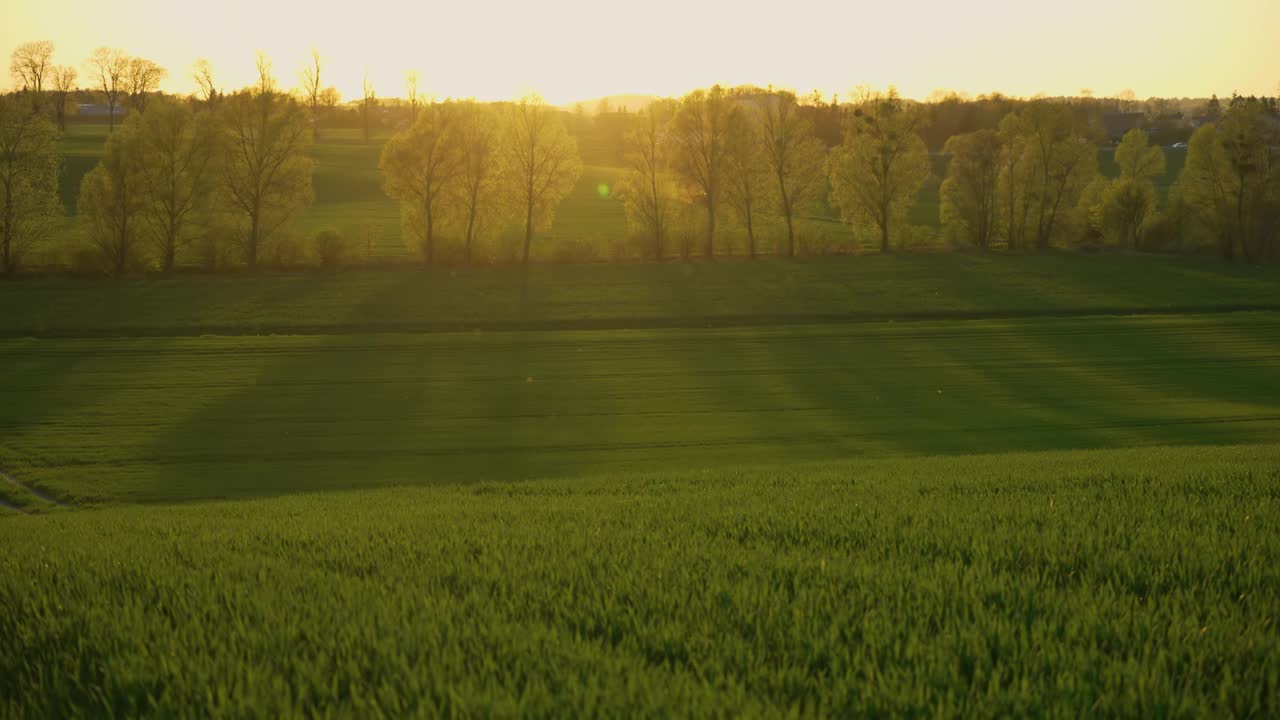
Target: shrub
x=573, y=250
x=214, y=249
x=287, y=251
x=331, y=248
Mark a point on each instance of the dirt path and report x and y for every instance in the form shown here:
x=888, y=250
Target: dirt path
x=39, y=494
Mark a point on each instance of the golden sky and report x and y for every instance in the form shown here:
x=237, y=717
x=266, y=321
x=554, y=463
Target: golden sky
x=572, y=50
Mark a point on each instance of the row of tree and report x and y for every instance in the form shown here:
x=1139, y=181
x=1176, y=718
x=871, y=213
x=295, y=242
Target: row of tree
x=117, y=76
x=233, y=169
x=170, y=176
x=1031, y=183
x=476, y=167
x=1037, y=174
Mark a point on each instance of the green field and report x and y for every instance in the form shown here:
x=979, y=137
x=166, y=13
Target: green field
x=889, y=485
x=194, y=418
x=730, y=292
x=1136, y=583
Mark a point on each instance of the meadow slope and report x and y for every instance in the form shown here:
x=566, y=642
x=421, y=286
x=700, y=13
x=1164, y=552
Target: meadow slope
x=147, y=419
x=1130, y=583
x=606, y=296
x=907, y=485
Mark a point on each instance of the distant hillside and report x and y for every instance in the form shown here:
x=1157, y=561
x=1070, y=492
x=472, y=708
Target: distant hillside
x=630, y=103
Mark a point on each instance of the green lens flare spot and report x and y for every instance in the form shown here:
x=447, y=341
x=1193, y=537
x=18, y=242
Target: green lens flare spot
x=602, y=190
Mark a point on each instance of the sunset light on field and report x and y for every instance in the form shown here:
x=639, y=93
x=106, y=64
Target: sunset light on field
x=655, y=359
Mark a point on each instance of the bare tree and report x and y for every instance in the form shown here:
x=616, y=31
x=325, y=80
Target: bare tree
x=64, y=83
x=266, y=171
x=109, y=68
x=412, y=94
x=1014, y=181
x=29, y=166
x=330, y=98
x=266, y=79
x=312, y=89
x=1231, y=180
x=747, y=175
x=177, y=153
x=111, y=198
x=881, y=164
x=419, y=168
x=645, y=189
x=206, y=90
x=142, y=78
x=479, y=203
x=794, y=155
x=542, y=162
x=367, y=103
x=30, y=66
x=1062, y=162
x=969, y=193
x=699, y=136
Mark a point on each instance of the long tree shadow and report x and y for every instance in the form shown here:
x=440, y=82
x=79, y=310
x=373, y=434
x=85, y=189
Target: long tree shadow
x=79, y=411
x=964, y=387
x=1166, y=381
x=1105, y=382
x=350, y=411
x=1096, y=382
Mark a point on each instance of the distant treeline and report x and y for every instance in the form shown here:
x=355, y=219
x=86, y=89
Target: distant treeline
x=218, y=178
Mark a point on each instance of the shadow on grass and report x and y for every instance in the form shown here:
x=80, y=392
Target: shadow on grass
x=345, y=412
x=187, y=419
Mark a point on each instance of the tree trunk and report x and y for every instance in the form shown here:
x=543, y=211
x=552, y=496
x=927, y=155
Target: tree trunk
x=430, y=239
x=751, y=237
x=122, y=243
x=884, y=227
x=1013, y=210
x=791, y=236
x=657, y=215
x=7, y=258
x=253, y=241
x=471, y=223
x=786, y=212
x=169, y=251
x=1240, y=229
x=709, y=250
x=528, y=230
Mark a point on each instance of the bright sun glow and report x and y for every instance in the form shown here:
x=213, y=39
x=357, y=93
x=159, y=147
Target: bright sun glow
x=571, y=50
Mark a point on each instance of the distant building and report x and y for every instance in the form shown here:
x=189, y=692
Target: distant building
x=1117, y=124
x=95, y=110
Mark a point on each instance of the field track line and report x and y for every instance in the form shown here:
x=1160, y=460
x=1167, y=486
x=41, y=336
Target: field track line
x=618, y=323
x=37, y=493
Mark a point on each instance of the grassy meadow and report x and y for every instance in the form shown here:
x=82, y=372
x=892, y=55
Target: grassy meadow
x=900, y=485
x=164, y=419
x=612, y=296
x=1121, y=583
